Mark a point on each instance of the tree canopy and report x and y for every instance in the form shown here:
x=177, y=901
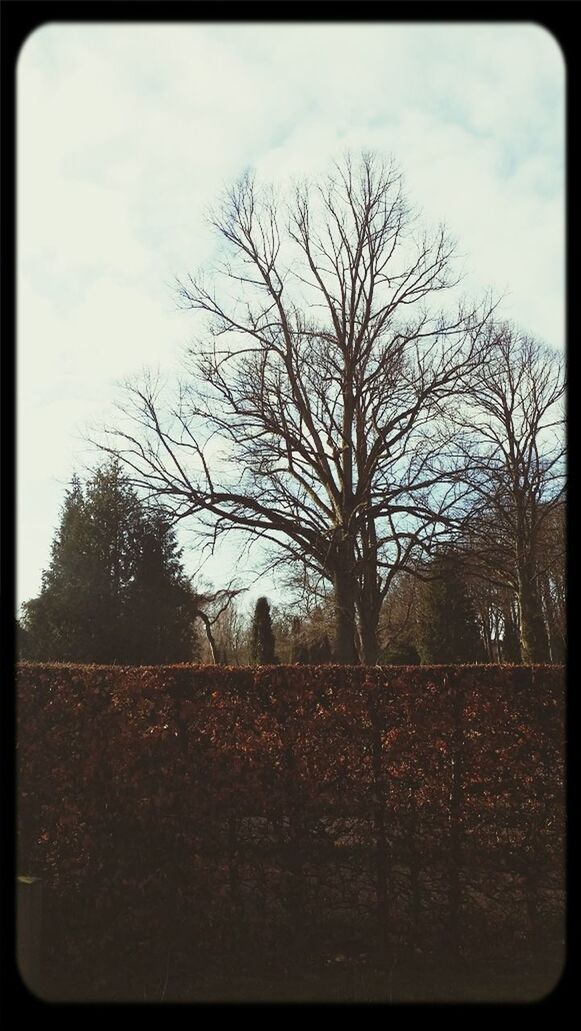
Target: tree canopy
x=514, y=451
x=115, y=589
x=310, y=416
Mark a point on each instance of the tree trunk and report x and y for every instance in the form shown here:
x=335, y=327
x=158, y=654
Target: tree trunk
x=555, y=651
x=487, y=634
x=368, y=636
x=369, y=596
x=533, y=633
x=344, y=586
x=210, y=636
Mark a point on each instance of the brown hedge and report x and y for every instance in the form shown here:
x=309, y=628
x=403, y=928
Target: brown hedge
x=294, y=797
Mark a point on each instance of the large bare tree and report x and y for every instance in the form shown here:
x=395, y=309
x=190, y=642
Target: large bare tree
x=514, y=446
x=310, y=413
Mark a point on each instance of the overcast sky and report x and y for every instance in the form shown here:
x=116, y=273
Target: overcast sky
x=126, y=133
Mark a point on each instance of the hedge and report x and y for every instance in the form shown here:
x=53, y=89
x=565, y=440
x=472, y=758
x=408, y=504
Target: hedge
x=279, y=811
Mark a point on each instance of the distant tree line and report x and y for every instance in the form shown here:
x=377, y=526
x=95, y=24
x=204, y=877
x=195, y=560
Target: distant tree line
x=116, y=592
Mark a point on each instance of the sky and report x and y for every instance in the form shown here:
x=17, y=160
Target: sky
x=127, y=133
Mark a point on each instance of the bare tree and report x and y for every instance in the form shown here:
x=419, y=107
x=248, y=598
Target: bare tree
x=497, y=613
x=514, y=422
x=211, y=607
x=398, y=620
x=310, y=417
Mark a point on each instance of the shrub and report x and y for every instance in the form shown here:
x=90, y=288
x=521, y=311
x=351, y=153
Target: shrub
x=276, y=804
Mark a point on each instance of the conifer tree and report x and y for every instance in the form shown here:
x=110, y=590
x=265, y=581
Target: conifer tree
x=115, y=589
x=447, y=625
x=261, y=635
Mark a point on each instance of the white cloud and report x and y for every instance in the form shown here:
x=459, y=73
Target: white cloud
x=126, y=133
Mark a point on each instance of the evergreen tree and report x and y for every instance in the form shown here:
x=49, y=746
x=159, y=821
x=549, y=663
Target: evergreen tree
x=115, y=590
x=56, y=624
x=23, y=644
x=261, y=635
x=447, y=629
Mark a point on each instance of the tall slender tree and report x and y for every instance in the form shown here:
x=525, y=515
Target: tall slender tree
x=261, y=635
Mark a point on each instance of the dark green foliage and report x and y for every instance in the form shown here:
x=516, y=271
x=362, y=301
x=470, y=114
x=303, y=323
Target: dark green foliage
x=261, y=635
x=22, y=641
x=447, y=629
x=115, y=590
x=402, y=653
